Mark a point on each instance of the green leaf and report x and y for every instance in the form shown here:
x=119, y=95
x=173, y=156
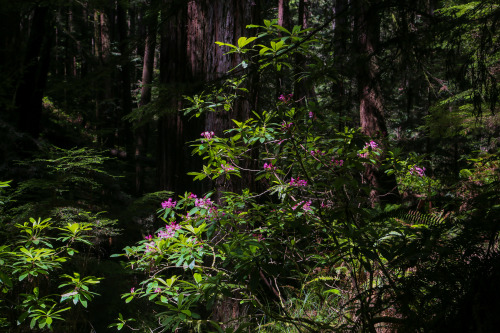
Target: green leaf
x=225, y=44
x=242, y=41
x=333, y=291
x=5, y=279
x=22, y=317
x=279, y=27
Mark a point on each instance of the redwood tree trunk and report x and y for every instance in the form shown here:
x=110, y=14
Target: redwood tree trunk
x=367, y=31
x=174, y=129
x=35, y=69
x=223, y=21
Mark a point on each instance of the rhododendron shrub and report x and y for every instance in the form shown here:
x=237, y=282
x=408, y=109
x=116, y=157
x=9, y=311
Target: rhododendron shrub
x=264, y=249
x=36, y=294
x=307, y=252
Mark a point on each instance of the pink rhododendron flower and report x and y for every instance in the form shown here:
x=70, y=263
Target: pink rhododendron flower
x=227, y=167
x=269, y=167
x=286, y=126
x=374, y=147
x=168, y=204
x=259, y=237
x=285, y=98
x=372, y=144
x=203, y=203
x=150, y=247
x=305, y=207
x=419, y=171
x=337, y=163
x=169, y=231
x=207, y=135
x=298, y=182
x=317, y=152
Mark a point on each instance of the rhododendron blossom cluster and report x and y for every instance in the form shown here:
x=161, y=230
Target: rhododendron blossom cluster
x=150, y=247
x=418, y=171
x=259, y=237
x=169, y=231
x=168, y=204
x=208, y=135
x=337, y=163
x=285, y=98
x=298, y=182
x=305, y=207
x=269, y=167
x=203, y=203
x=317, y=152
x=374, y=147
x=227, y=167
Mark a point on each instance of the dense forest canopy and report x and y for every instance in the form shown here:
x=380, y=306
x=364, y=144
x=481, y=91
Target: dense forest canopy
x=249, y=165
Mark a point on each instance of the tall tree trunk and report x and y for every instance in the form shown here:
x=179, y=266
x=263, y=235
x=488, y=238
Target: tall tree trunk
x=174, y=129
x=341, y=29
x=29, y=94
x=106, y=107
x=224, y=21
x=283, y=86
x=142, y=132
x=367, y=31
x=303, y=89
x=125, y=137
x=284, y=13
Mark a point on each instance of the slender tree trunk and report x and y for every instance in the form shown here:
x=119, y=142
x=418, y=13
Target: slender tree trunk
x=303, y=89
x=284, y=13
x=283, y=86
x=142, y=132
x=341, y=28
x=29, y=94
x=105, y=52
x=125, y=136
